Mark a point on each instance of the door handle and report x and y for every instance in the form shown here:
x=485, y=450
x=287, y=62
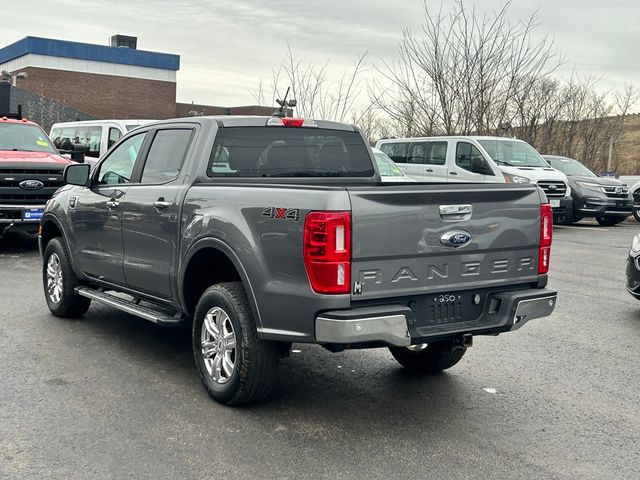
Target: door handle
x=453, y=173
x=430, y=170
x=161, y=204
x=112, y=203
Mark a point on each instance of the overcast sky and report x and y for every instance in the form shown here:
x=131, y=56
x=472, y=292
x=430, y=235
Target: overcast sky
x=226, y=46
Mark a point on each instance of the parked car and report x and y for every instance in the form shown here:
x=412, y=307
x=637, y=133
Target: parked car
x=293, y=239
x=606, y=199
x=389, y=171
x=633, y=182
x=482, y=160
x=97, y=136
x=30, y=172
x=633, y=268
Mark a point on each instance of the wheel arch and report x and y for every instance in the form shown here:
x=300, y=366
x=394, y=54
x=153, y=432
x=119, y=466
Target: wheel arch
x=194, y=278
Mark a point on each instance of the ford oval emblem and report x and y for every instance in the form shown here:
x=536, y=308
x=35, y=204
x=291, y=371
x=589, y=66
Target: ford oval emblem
x=455, y=239
x=31, y=184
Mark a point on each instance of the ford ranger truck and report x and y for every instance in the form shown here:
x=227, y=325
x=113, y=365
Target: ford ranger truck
x=259, y=232
x=30, y=172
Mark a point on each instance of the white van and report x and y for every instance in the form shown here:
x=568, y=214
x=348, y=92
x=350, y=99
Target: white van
x=480, y=160
x=97, y=136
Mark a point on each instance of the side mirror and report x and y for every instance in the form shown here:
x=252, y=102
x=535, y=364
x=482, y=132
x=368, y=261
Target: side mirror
x=77, y=174
x=77, y=153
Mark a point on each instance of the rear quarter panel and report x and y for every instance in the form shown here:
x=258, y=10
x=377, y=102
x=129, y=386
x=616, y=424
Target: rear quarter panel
x=269, y=249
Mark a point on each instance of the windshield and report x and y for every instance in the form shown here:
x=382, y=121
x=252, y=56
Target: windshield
x=513, y=153
x=386, y=166
x=24, y=138
x=570, y=167
x=288, y=152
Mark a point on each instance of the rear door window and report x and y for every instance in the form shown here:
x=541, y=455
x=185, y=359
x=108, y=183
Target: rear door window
x=429, y=153
x=289, y=152
x=167, y=152
x=398, y=152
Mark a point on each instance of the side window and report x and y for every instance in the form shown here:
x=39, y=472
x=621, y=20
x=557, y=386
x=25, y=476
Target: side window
x=470, y=158
x=92, y=143
x=429, y=153
x=166, y=155
x=118, y=166
x=63, y=137
x=398, y=152
x=114, y=136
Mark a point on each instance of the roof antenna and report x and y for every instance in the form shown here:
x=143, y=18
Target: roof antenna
x=282, y=110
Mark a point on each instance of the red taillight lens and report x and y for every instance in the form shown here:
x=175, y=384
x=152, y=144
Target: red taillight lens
x=292, y=122
x=546, y=234
x=327, y=251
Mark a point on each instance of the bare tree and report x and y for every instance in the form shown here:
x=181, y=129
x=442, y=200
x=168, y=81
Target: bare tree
x=460, y=72
x=318, y=94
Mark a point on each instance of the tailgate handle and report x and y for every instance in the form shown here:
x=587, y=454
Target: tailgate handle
x=455, y=212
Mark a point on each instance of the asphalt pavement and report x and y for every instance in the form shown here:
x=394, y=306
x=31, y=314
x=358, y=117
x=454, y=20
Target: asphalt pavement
x=113, y=396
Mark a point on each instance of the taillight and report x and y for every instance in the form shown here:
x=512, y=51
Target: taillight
x=546, y=234
x=327, y=251
x=290, y=122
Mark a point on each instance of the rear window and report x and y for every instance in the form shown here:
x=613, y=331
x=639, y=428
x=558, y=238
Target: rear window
x=288, y=152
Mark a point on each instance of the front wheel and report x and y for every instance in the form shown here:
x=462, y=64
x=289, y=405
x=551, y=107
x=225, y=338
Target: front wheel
x=60, y=281
x=636, y=214
x=234, y=365
x=610, y=221
x=428, y=358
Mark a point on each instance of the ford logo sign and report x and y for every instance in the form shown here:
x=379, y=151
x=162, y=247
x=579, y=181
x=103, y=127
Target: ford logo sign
x=31, y=184
x=455, y=239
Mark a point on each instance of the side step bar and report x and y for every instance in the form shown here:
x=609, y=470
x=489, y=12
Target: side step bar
x=133, y=308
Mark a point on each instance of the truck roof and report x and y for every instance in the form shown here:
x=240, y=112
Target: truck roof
x=256, y=121
x=451, y=137
x=13, y=120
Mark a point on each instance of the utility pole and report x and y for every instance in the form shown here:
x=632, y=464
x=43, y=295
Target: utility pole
x=610, y=154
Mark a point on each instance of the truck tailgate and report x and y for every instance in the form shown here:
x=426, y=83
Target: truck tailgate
x=400, y=246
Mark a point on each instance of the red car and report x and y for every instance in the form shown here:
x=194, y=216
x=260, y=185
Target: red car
x=30, y=172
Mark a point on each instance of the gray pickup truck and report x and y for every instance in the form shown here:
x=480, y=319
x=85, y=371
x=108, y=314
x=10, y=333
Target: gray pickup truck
x=260, y=232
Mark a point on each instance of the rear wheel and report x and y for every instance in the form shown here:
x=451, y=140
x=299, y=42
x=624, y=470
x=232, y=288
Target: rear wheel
x=428, y=358
x=234, y=365
x=610, y=221
x=636, y=214
x=59, y=281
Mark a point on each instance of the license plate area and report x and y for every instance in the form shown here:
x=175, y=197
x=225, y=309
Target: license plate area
x=32, y=214
x=448, y=308
x=555, y=203
x=623, y=203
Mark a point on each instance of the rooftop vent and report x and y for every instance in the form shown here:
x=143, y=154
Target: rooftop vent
x=124, y=41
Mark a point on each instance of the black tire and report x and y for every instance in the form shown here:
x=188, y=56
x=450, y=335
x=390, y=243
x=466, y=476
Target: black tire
x=636, y=214
x=610, y=221
x=434, y=358
x=565, y=220
x=65, y=302
x=255, y=362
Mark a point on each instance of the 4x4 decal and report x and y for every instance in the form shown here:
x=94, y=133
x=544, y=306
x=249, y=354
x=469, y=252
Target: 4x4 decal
x=282, y=213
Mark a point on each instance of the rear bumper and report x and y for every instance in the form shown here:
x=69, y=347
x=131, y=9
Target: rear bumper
x=394, y=324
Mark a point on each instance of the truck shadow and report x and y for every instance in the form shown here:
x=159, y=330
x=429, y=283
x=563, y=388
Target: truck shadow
x=318, y=392
x=18, y=242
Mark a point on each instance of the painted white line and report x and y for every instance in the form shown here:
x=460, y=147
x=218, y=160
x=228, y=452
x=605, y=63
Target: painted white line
x=597, y=229
x=490, y=390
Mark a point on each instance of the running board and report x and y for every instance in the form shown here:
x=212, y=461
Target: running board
x=128, y=306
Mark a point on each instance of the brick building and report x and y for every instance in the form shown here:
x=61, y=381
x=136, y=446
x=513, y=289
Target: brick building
x=100, y=81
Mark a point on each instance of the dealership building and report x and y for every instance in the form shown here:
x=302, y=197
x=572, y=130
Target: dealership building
x=58, y=79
